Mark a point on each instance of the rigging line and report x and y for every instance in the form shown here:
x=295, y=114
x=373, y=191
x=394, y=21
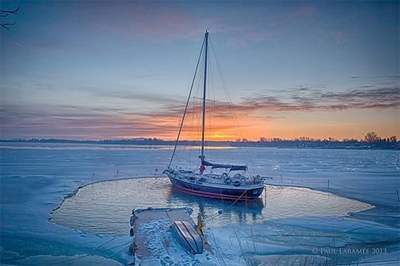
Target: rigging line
x=213, y=116
x=210, y=114
x=210, y=108
x=194, y=126
x=183, y=158
x=198, y=111
x=186, y=106
x=247, y=157
x=230, y=206
x=191, y=127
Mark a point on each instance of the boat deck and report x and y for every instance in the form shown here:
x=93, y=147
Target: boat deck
x=142, y=244
x=218, y=181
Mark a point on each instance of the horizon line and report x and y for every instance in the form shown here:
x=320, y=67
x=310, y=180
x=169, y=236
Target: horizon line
x=260, y=139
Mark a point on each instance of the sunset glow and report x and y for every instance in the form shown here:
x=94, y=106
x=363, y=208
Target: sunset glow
x=293, y=69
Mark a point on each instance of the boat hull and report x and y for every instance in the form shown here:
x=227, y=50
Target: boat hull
x=216, y=192
x=188, y=237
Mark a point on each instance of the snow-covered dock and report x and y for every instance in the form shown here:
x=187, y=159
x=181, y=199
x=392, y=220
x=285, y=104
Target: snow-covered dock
x=151, y=231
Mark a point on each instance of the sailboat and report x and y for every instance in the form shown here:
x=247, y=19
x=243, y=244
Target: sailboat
x=233, y=184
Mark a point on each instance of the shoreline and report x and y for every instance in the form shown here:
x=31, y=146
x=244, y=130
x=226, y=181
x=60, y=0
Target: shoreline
x=284, y=144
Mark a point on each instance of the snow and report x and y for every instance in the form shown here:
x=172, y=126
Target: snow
x=165, y=248
x=34, y=182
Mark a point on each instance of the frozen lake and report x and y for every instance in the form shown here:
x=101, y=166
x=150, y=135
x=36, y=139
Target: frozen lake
x=34, y=180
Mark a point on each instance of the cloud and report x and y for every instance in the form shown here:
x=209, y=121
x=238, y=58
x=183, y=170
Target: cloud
x=139, y=96
x=304, y=99
x=385, y=97
x=313, y=100
x=362, y=98
x=99, y=122
x=299, y=99
x=76, y=122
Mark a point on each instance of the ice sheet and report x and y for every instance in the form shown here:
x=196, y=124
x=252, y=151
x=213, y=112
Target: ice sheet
x=33, y=182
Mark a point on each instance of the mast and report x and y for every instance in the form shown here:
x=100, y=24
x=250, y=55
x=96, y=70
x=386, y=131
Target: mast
x=204, y=98
x=186, y=106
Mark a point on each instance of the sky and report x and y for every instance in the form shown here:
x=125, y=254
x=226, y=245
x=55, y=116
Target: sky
x=123, y=69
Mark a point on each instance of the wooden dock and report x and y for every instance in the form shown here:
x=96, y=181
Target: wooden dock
x=145, y=223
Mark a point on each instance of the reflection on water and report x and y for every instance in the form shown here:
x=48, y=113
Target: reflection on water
x=232, y=212
x=104, y=208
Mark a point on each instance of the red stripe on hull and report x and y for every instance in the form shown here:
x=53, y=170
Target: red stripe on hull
x=213, y=195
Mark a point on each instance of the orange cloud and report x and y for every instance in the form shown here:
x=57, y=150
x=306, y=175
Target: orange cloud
x=254, y=117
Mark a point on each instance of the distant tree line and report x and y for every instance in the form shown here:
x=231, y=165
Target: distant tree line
x=370, y=141
x=370, y=137
x=373, y=137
